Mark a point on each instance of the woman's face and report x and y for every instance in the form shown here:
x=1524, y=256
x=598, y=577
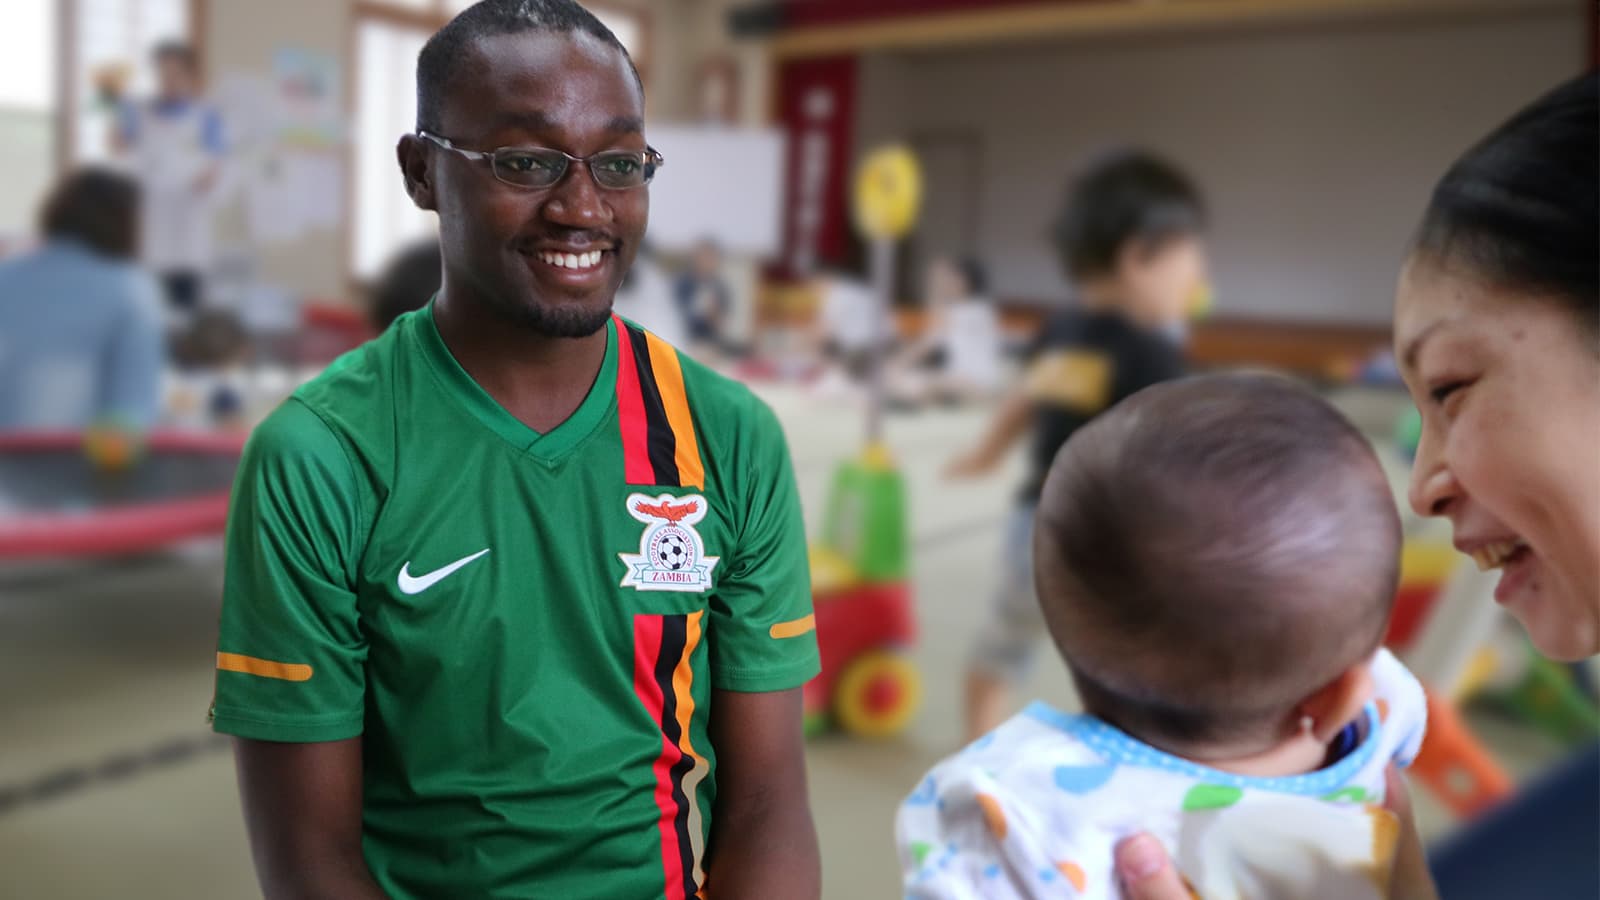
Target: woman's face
x=1509, y=389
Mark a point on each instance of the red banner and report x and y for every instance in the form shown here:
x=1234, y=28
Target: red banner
x=817, y=107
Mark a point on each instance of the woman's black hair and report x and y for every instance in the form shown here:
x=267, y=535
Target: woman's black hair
x=1121, y=196
x=407, y=283
x=96, y=207
x=1522, y=207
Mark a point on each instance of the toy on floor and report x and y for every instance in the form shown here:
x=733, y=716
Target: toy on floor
x=113, y=446
x=862, y=596
x=860, y=568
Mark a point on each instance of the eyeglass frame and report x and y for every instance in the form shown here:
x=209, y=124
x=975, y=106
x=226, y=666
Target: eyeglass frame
x=651, y=159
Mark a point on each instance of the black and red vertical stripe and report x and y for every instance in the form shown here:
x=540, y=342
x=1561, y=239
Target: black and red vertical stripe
x=658, y=437
x=663, y=680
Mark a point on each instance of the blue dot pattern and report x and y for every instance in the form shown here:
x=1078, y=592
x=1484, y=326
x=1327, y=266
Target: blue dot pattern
x=1116, y=747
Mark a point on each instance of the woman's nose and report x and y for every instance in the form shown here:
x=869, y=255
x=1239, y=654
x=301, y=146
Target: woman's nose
x=1432, y=484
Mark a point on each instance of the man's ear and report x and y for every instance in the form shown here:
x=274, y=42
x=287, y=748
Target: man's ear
x=415, y=169
x=1338, y=703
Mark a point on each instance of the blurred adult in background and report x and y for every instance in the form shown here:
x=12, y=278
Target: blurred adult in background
x=1130, y=238
x=957, y=356
x=646, y=298
x=80, y=332
x=407, y=283
x=1497, y=329
x=850, y=328
x=174, y=141
x=704, y=300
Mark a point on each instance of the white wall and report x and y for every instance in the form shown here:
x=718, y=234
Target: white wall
x=1316, y=146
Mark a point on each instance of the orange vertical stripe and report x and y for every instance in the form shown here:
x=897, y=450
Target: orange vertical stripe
x=266, y=668
x=682, y=685
x=669, y=381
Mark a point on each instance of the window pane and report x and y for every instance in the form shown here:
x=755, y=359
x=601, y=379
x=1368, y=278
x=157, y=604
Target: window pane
x=386, y=107
x=28, y=55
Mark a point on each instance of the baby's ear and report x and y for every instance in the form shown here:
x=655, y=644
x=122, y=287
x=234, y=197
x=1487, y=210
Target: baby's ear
x=1338, y=703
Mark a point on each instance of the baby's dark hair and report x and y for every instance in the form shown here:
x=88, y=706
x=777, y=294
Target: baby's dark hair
x=441, y=56
x=1118, y=197
x=1522, y=207
x=1211, y=552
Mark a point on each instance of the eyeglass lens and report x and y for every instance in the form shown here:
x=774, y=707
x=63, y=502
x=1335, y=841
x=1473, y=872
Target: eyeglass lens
x=537, y=168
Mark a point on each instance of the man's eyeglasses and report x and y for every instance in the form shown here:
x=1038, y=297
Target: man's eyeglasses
x=542, y=167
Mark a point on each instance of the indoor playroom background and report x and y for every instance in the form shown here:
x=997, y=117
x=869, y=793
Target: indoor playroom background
x=1314, y=128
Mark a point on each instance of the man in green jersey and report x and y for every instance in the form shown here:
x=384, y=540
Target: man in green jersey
x=517, y=597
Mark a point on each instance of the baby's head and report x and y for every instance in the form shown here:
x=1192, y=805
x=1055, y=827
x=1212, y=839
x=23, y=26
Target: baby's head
x=1217, y=558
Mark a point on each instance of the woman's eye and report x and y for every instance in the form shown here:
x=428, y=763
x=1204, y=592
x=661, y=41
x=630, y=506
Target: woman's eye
x=1448, y=389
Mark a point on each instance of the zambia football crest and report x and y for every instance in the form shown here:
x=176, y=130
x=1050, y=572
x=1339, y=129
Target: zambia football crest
x=671, y=555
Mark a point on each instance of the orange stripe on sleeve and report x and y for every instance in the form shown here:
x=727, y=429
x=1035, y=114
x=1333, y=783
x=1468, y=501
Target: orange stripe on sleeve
x=669, y=381
x=266, y=668
x=795, y=628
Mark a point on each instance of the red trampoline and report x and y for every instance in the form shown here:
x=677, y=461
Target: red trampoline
x=54, y=504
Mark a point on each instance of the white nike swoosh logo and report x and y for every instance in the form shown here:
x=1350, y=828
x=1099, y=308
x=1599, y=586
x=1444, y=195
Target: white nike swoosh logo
x=410, y=584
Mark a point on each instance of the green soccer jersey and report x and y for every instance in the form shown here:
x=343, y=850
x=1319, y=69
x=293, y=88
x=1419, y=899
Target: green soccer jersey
x=524, y=628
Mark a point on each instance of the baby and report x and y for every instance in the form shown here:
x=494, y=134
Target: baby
x=1216, y=559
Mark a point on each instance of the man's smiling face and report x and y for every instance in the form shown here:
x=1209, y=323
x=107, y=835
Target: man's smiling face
x=550, y=259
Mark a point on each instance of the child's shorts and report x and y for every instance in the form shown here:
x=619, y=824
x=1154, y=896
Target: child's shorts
x=1011, y=629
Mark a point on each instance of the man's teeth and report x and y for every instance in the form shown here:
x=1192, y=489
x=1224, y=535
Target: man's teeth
x=1493, y=556
x=573, y=260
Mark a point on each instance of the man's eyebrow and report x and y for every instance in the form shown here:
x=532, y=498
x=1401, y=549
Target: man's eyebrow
x=526, y=120
x=626, y=125
x=537, y=121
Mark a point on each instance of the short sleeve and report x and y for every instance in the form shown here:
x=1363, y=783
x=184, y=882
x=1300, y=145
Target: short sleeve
x=291, y=655
x=964, y=834
x=1149, y=359
x=763, y=635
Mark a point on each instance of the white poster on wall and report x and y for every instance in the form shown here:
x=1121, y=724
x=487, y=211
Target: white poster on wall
x=720, y=183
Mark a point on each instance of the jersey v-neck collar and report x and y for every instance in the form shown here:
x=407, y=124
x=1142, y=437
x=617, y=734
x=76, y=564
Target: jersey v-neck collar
x=548, y=446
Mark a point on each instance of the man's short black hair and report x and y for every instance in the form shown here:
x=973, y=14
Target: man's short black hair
x=1118, y=197
x=1212, y=551
x=442, y=54
x=96, y=207
x=177, y=51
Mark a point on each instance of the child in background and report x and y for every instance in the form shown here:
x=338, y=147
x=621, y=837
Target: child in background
x=957, y=358
x=1216, y=559
x=1129, y=238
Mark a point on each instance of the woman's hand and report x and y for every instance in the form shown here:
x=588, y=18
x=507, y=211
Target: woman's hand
x=1145, y=871
x=1411, y=879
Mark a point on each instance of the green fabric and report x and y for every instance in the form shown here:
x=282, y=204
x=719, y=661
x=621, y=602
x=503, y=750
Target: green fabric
x=508, y=750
